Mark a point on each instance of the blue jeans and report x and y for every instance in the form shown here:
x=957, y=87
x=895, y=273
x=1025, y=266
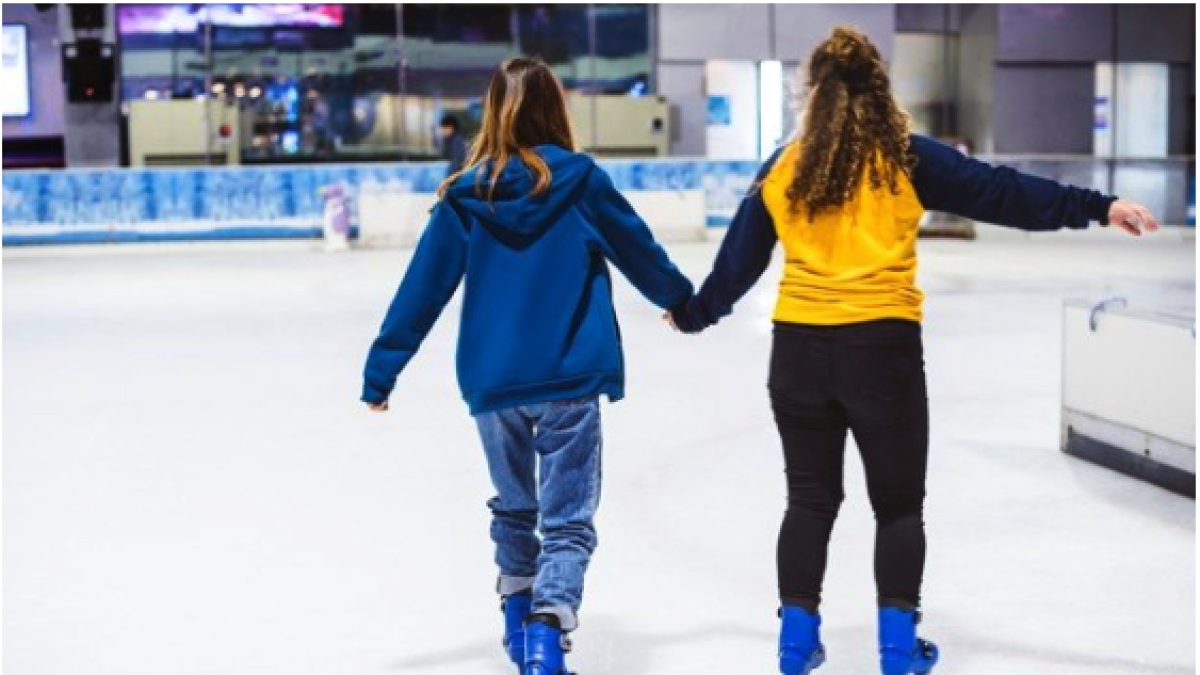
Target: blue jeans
x=559, y=498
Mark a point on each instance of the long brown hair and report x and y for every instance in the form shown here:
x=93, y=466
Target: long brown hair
x=525, y=107
x=852, y=122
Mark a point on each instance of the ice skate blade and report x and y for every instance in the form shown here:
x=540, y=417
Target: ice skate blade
x=905, y=669
x=788, y=666
x=539, y=670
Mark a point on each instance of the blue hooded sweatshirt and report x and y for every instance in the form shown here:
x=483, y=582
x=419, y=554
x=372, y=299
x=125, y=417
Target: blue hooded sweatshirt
x=537, y=316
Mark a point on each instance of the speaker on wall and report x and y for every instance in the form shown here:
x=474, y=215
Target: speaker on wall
x=89, y=68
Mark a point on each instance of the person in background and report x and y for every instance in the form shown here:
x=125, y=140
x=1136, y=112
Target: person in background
x=454, y=146
x=528, y=227
x=845, y=200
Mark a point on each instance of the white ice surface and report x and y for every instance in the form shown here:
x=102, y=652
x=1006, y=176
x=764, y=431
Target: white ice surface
x=192, y=488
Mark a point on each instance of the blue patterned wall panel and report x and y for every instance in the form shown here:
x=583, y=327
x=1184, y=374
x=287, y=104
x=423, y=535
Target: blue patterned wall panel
x=277, y=201
x=724, y=184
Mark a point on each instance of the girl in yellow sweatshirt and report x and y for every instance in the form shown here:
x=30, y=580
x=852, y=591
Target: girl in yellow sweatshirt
x=845, y=200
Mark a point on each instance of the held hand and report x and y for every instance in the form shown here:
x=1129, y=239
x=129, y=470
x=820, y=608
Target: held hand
x=1131, y=217
x=670, y=321
x=378, y=407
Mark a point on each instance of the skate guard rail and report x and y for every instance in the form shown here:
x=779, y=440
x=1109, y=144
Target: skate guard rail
x=1129, y=391
x=678, y=196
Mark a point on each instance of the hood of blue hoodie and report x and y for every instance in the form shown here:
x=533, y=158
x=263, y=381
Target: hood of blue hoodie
x=513, y=208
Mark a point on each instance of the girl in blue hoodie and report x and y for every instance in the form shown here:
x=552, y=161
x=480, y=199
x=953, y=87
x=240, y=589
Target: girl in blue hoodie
x=529, y=226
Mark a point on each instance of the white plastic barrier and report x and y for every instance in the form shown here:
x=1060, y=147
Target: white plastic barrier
x=673, y=215
x=389, y=218
x=1129, y=391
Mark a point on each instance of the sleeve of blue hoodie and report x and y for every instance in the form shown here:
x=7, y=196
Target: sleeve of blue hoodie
x=433, y=275
x=630, y=246
x=744, y=255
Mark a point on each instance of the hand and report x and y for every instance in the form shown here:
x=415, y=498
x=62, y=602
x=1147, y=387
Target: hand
x=670, y=320
x=378, y=407
x=1131, y=217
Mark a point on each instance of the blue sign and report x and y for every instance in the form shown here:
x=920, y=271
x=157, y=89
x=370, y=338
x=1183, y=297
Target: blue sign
x=1101, y=116
x=720, y=111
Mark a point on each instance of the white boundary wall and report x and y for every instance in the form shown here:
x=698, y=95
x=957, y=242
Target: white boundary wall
x=1129, y=384
x=389, y=218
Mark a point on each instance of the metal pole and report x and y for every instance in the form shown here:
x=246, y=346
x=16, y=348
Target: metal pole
x=208, y=76
x=771, y=28
x=1112, y=107
x=652, y=40
x=401, y=76
x=592, y=68
x=946, y=127
x=514, y=28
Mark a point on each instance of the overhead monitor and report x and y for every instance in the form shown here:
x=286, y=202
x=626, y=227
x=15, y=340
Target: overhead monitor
x=169, y=19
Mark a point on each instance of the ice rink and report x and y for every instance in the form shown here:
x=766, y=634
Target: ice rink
x=192, y=488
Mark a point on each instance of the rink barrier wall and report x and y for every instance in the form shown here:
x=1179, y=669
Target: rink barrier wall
x=284, y=202
x=681, y=198
x=1124, y=406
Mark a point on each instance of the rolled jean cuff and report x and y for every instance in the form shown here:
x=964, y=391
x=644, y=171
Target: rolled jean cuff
x=510, y=585
x=567, y=620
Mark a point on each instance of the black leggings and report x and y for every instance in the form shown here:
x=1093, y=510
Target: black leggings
x=867, y=378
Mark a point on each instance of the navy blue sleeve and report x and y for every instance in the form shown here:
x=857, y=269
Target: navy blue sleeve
x=628, y=243
x=946, y=180
x=744, y=256
x=433, y=275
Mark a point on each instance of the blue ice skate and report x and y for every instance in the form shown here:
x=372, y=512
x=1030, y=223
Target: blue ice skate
x=516, y=607
x=901, y=652
x=545, y=646
x=800, y=648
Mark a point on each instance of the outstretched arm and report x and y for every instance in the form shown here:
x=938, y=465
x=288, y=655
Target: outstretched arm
x=946, y=180
x=744, y=256
x=433, y=275
x=628, y=243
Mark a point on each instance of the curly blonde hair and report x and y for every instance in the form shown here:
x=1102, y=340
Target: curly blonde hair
x=851, y=123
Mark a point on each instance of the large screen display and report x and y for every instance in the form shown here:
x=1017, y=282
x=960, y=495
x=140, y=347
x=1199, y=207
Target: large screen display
x=159, y=19
x=16, y=71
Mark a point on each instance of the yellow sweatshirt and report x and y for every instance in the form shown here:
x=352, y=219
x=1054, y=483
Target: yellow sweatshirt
x=859, y=262
x=851, y=264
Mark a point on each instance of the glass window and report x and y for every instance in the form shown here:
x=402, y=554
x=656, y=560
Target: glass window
x=345, y=82
x=450, y=52
x=622, y=50
x=558, y=34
